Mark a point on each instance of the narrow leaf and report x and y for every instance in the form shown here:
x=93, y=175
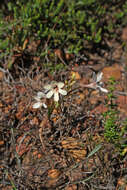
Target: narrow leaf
x=94, y=150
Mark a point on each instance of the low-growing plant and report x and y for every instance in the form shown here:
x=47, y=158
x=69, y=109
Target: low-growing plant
x=115, y=131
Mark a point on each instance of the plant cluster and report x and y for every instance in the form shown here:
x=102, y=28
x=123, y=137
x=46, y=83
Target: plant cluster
x=115, y=131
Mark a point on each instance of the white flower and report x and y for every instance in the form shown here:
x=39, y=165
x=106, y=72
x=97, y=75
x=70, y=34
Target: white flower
x=39, y=103
x=54, y=89
x=97, y=82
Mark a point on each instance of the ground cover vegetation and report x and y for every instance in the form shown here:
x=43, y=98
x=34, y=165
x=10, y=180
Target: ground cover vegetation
x=63, y=95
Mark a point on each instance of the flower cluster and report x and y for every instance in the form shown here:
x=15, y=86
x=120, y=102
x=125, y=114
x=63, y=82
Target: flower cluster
x=39, y=102
x=97, y=84
x=53, y=89
x=56, y=88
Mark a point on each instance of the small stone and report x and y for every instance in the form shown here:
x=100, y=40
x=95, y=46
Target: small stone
x=99, y=109
x=53, y=173
x=122, y=104
x=124, y=34
x=121, y=181
x=59, y=53
x=1, y=143
x=76, y=75
x=112, y=71
x=80, y=98
x=1, y=75
x=69, y=56
x=71, y=187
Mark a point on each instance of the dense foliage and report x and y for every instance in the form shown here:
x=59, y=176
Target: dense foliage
x=68, y=24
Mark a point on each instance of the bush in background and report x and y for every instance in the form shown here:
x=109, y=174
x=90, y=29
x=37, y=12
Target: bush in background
x=70, y=25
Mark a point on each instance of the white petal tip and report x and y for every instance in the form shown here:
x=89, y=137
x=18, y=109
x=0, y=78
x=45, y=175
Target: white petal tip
x=44, y=105
x=56, y=97
x=49, y=94
x=99, y=76
x=37, y=105
x=103, y=90
x=47, y=87
x=60, y=84
x=40, y=95
x=63, y=92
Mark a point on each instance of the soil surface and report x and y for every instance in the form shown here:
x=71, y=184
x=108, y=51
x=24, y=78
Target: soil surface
x=66, y=150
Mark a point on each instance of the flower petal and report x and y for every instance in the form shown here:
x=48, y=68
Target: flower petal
x=44, y=105
x=60, y=84
x=48, y=87
x=103, y=89
x=91, y=85
x=49, y=94
x=94, y=77
x=36, y=98
x=37, y=105
x=99, y=76
x=54, y=83
x=63, y=92
x=56, y=97
x=40, y=95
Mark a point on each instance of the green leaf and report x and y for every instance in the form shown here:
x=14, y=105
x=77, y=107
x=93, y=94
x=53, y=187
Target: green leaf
x=98, y=147
x=98, y=36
